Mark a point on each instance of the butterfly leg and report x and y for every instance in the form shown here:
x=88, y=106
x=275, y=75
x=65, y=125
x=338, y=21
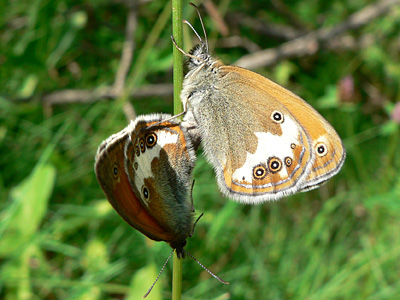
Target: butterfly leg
x=168, y=119
x=191, y=196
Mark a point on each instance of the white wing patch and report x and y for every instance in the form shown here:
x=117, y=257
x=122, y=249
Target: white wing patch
x=270, y=145
x=165, y=137
x=144, y=171
x=320, y=139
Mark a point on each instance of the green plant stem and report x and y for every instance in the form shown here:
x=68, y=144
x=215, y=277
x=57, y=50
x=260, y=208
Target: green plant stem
x=177, y=278
x=177, y=30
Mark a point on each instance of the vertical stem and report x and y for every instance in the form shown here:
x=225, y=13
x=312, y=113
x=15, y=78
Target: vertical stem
x=177, y=278
x=177, y=30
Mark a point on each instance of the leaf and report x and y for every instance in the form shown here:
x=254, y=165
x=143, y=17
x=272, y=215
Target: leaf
x=28, y=206
x=19, y=223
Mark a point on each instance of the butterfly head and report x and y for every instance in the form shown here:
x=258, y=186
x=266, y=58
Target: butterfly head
x=199, y=56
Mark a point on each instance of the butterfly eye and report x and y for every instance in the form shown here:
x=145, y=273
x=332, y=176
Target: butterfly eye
x=142, y=145
x=145, y=192
x=274, y=164
x=259, y=172
x=321, y=149
x=151, y=140
x=288, y=161
x=277, y=117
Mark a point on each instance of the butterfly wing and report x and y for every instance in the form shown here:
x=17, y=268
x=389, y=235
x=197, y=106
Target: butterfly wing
x=110, y=172
x=159, y=162
x=259, y=145
x=326, y=146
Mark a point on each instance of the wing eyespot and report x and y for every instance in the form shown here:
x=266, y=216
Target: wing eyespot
x=259, y=172
x=137, y=151
x=145, y=192
x=288, y=161
x=274, y=164
x=321, y=149
x=142, y=145
x=151, y=140
x=115, y=171
x=277, y=117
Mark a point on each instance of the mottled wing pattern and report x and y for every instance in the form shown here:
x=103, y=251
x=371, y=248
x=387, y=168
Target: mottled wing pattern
x=110, y=172
x=159, y=161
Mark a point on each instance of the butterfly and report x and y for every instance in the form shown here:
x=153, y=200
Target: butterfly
x=145, y=171
x=263, y=141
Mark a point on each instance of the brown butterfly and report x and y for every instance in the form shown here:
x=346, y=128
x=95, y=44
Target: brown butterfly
x=145, y=172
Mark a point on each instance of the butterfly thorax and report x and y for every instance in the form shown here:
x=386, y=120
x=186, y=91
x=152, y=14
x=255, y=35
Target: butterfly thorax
x=203, y=74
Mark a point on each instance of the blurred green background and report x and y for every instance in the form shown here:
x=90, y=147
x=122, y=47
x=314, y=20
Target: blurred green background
x=59, y=237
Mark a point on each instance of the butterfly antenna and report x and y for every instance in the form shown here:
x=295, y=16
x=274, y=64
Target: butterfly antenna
x=159, y=274
x=209, y=272
x=184, y=53
x=202, y=24
x=194, y=30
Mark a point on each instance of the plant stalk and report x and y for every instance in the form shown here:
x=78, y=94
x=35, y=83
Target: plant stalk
x=177, y=278
x=177, y=31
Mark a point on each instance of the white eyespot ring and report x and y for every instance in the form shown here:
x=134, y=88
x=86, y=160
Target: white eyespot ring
x=277, y=117
x=321, y=149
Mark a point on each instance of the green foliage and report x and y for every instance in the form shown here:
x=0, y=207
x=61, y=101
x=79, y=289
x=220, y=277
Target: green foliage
x=59, y=237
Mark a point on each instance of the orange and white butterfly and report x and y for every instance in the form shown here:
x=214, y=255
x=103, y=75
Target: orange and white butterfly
x=263, y=141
